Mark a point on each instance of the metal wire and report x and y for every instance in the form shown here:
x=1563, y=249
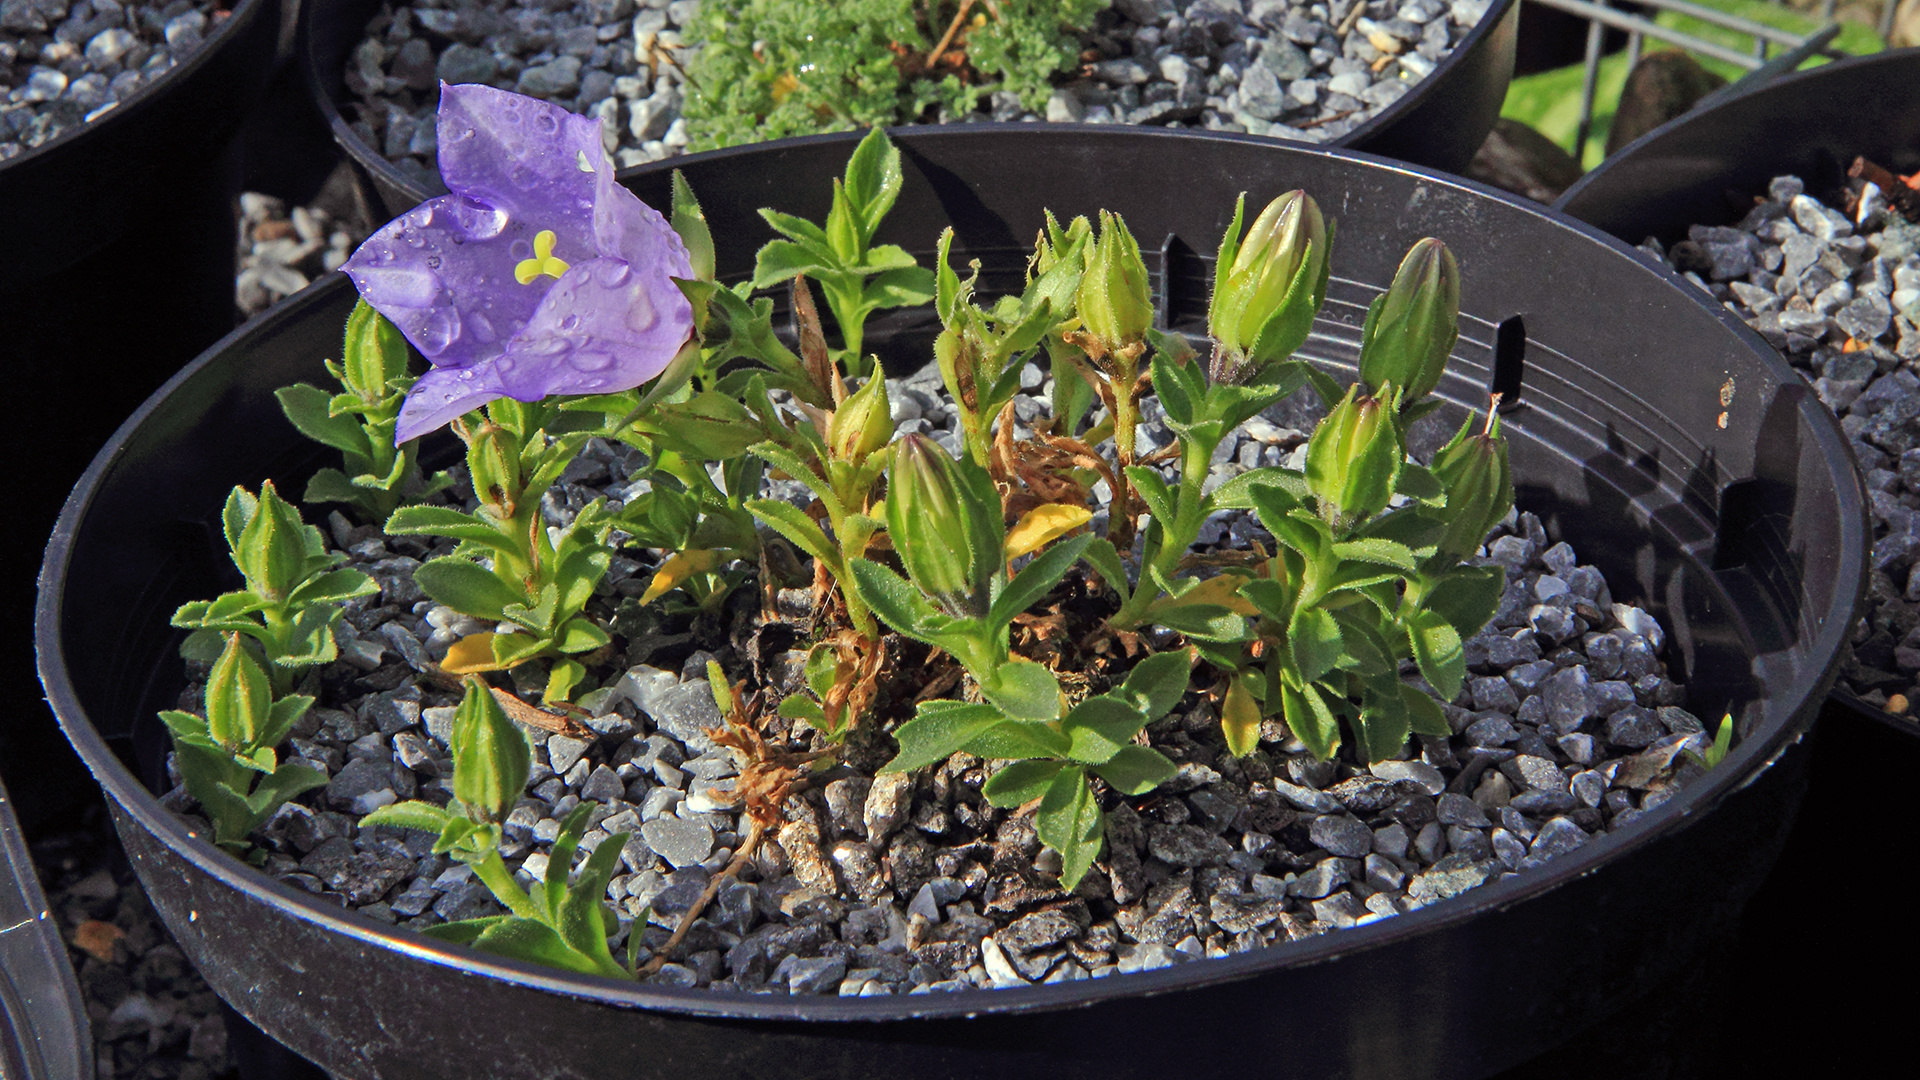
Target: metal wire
x=1756, y=62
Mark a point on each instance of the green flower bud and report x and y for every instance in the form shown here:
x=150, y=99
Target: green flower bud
x=491, y=758
x=373, y=354
x=1114, y=307
x=1411, y=327
x=864, y=422
x=1473, y=469
x=272, y=553
x=1268, y=289
x=493, y=460
x=238, y=698
x=1354, y=458
x=944, y=519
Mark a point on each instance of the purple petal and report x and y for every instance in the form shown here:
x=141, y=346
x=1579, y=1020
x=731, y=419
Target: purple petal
x=605, y=326
x=442, y=394
x=523, y=156
x=626, y=228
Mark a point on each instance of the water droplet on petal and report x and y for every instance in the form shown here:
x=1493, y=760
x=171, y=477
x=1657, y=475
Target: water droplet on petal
x=520, y=249
x=640, y=313
x=503, y=365
x=612, y=273
x=478, y=220
x=439, y=329
x=401, y=286
x=570, y=323
x=481, y=327
x=433, y=262
x=545, y=122
x=589, y=360
x=420, y=216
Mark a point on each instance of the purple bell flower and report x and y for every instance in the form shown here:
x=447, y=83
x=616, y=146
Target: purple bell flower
x=538, y=275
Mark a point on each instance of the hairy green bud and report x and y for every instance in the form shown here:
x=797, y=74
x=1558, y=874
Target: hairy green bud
x=1114, y=306
x=493, y=460
x=1411, y=328
x=1268, y=289
x=949, y=538
x=1473, y=469
x=373, y=354
x=272, y=552
x=1354, y=457
x=864, y=422
x=491, y=758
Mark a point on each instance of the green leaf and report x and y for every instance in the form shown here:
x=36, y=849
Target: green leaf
x=1153, y=491
x=281, y=718
x=893, y=598
x=413, y=814
x=801, y=707
x=873, y=181
x=1310, y=719
x=1172, y=391
x=1018, y=740
x=333, y=587
x=1375, y=550
x=1100, y=727
x=1418, y=483
x=1425, y=714
x=1467, y=597
x=444, y=521
x=1023, y=689
x=1136, y=770
x=581, y=925
x=184, y=723
x=1156, y=684
x=307, y=408
x=1384, y=722
x=282, y=784
x=463, y=931
x=1437, y=649
x=1105, y=560
x=1314, y=637
x=1036, y=579
x=524, y=939
x=1069, y=821
x=793, y=523
x=940, y=730
x=691, y=223
x=578, y=635
x=466, y=587
x=1208, y=622
x=1020, y=783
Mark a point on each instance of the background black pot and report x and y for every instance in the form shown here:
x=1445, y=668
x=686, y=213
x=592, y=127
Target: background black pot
x=43, y=1024
x=1743, y=531
x=1439, y=123
x=116, y=268
x=1704, y=169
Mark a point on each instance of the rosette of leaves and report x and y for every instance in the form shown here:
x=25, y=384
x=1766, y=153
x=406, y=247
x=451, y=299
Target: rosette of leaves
x=293, y=589
x=536, y=580
x=563, y=922
x=227, y=759
x=359, y=422
x=767, y=69
x=1052, y=762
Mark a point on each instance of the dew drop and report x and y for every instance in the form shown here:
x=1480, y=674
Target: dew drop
x=433, y=262
x=520, y=249
x=612, y=273
x=481, y=328
x=478, y=220
x=401, y=286
x=589, y=360
x=545, y=122
x=439, y=329
x=503, y=365
x=570, y=323
x=420, y=216
x=640, y=313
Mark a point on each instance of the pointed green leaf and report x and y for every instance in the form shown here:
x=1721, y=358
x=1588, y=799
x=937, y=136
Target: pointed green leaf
x=1100, y=727
x=939, y=730
x=413, y=814
x=1156, y=684
x=892, y=598
x=466, y=587
x=1425, y=714
x=1020, y=783
x=1024, y=689
x=1437, y=649
x=1069, y=821
x=1036, y=579
x=307, y=408
x=1136, y=770
x=1310, y=719
x=1467, y=597
x=1105, y=560
x=1018, y=740
x=1314, y=638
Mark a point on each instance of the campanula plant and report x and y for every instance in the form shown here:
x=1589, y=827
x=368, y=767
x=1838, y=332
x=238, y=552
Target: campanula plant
x=961, y=605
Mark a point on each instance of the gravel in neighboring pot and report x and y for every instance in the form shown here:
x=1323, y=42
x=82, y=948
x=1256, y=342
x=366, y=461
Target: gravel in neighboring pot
x=153, y=1017
x=1839, y=296
x=280, y=250
x=65, y=62
x=1569, y=727
x=1309, y=71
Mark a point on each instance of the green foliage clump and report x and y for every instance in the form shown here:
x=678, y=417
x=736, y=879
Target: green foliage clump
x=767, y=69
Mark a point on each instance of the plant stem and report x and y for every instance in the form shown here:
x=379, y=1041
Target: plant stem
x=493, y=873
x=755, y=831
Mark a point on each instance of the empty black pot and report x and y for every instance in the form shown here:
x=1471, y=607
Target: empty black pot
x=1739, y=524
x=116, y=268
x=1439, y=123
x=43, y=1023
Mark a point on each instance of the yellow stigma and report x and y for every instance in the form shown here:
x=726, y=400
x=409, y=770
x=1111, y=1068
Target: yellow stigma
x=542, y=262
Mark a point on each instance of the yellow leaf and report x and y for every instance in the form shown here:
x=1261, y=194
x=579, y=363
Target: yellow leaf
x=678, y=569
x=783, y=85
x=1240, y=718
x=1043, y=525
x=1222, y=589
x=470, y=655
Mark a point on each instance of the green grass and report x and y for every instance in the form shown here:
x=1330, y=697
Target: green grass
x=1549, y=102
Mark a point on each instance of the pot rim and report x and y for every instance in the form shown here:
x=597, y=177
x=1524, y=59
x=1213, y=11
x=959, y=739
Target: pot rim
x=1788, y=83
x=1745, y=764
x=133, y=109
x=319, y=88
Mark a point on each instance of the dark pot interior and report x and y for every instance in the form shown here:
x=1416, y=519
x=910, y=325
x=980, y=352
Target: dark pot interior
x=1740, y=525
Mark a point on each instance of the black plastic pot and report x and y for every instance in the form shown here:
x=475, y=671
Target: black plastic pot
x=1740, y=525
x=43, y=1024
x=116, y=268
x=1439, y=123
x=1705, y=167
